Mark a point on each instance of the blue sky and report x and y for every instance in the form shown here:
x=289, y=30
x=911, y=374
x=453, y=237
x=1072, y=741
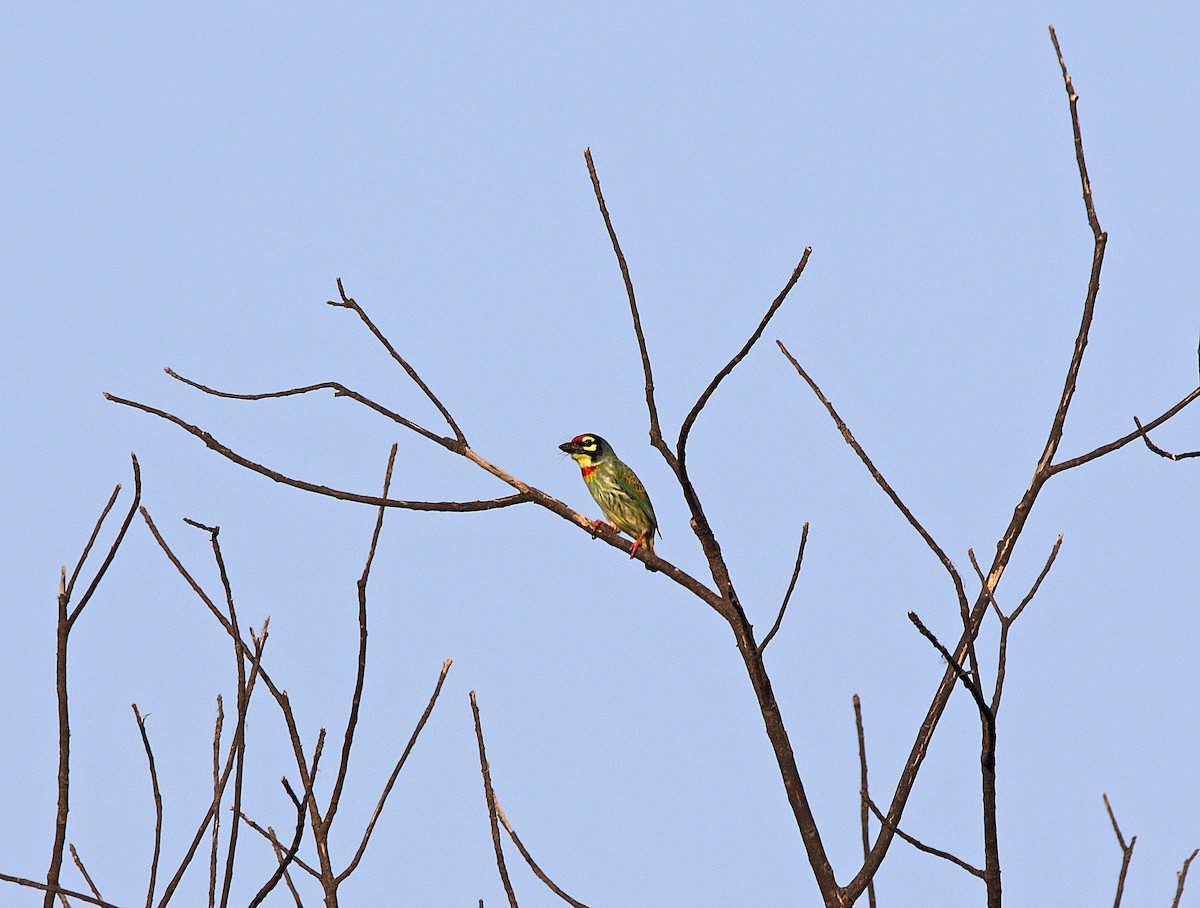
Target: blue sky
x=184, y=185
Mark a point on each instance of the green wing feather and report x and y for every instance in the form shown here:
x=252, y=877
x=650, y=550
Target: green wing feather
x=632, y=486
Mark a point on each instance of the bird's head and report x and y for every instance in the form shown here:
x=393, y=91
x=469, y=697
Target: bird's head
x=587, y=450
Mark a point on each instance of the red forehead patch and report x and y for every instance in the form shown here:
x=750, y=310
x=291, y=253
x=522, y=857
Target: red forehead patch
x=578, y=439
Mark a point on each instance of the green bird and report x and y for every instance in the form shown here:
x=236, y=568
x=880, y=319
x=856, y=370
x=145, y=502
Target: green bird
x=616, y=488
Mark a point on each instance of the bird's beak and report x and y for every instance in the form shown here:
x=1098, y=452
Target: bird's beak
x=568, y=447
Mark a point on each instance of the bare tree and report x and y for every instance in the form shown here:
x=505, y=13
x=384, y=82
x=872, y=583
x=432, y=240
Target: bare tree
x=717, y=591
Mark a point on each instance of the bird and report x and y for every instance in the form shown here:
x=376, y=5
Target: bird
x=617, y=490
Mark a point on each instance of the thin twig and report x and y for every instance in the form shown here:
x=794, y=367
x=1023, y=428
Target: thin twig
x=387, y=788
x=338, y=389
x=1140, y=432
x=348, y=303
x=1181, y=878
x=533, y=865
x=292, y=849
x=1126, y=852
x=879, y=478
x=656, y=437
x=87, y=548
x=490, y=795
x=269, y=835
x=1159, y=451
x=921, y=846
x=51, y=891
x=360, y=675
x=985, y=712
x=275, y=475
x=788, y=595
x=216, y=823
x=864, y=793
x=83, y=870
x=158, y=805
x=287, y=873
x=686, y=428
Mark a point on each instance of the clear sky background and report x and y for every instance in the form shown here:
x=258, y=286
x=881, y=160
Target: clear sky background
x=183, y=184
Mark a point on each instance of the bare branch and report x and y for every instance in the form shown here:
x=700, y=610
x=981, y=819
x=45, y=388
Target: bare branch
x=656, y=437
x=116, y=544
x=1140, y=432
x=269, y=835
x=491, y=804
x=87, y=548
x=1159, y=451
x=348, y=303
x=879, y=479
x=686, y=429
x=541, y=874
x=1126, y=852
x=158, y=806
x=291, y=852
x=788, y=595
x=338, y=389
x=217, y=790
x=360, y=676
x=51, y=891
x=1181, y=878
x=921, y=846
x=83, y=870
x=864, y=793
x=985, y=712
x=362, y=846
x=230, y=454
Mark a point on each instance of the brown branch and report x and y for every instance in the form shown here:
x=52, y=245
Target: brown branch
x=360, y=675
x=338, y=389
x=66, y=617
x=541, y=874
x=864, y=793
x=988, y=757
x=788, y=595
x=1126, y=852
x=1140, y=432
x=690, y=419
x=490, y=795
x=216, y=824
x=1181, y=878
x=83, y=870
x=656, y=437
x=1159, y=451
x=287, y=875
x=292, y=849
x=921, y=846
x=348, y=303
x=229, y=454
x=269, y=835
x=387, y=788
x=158, y=805
x=849, y=438
x=51, y=891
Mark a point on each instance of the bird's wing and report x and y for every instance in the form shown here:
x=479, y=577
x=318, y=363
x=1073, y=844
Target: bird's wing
x=629, y=482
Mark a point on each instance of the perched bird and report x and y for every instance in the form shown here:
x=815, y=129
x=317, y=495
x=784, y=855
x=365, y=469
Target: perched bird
x=616, y=488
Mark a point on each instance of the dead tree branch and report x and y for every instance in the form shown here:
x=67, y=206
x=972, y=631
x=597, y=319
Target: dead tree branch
x=864, y=792
x=158, y=805
x=490, y=795
x=1126, y=853
x=787, y=597
x=533, y=865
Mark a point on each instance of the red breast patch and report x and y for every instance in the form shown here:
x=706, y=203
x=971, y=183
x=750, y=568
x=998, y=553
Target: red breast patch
x=587, y=471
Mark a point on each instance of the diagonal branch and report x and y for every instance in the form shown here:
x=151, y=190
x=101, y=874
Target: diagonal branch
x=686, y=429
x=360, y=674
x=52, y=890
x=87, y=877
x=1181, y=877
x=1140, y=432
x=921, y=846
x=1159, y=451
x=158, y=805
x=1126, y=853
x=541, y=874
x=292, y=849
x=656, y=437
x=348, y=303
x=864, y=794
x=491, y=804
x=229, y=454
x=788, y=595
x=387, y=788
x=879, y=479
x=338, y=389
